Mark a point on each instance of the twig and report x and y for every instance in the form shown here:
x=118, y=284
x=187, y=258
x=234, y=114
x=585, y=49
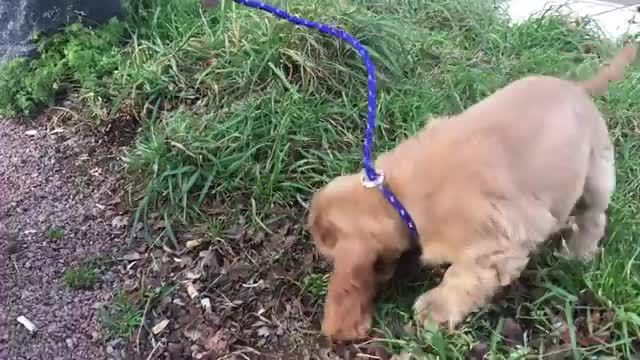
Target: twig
x=154, y=350
x=142, y=321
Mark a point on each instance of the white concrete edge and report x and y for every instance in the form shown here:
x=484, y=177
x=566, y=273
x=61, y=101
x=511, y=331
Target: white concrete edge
x=612, y=20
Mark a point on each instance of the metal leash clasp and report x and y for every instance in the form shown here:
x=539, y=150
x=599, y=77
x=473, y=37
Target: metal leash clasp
x=377, y=182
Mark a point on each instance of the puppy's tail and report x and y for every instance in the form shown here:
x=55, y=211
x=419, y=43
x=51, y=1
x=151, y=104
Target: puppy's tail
x=597, y=85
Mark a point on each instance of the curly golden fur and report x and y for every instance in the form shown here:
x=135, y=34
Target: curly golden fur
x=485, y=188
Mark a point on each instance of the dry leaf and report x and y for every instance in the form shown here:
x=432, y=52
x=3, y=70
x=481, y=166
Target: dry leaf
x=192, y=334
x=206, y=304
x=192, y=244
x=157, y=329
x=264, y=331
x=119, y=221
x=132, y=256
x=191, y=290
x=401, y=356
x=208, y=260
x=190, y=275
x=217, y=342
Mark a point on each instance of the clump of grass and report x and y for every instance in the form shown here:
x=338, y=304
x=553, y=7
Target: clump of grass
x=76, y=59
x=122, y=318
x=84, y=277
x=55, y=233
x=316, y=285
x=277, y=110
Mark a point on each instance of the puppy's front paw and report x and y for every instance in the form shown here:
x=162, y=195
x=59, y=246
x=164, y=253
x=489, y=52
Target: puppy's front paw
x=349, y=327
x=436, y=307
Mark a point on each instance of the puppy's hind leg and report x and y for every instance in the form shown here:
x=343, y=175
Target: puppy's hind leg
x=591, y=219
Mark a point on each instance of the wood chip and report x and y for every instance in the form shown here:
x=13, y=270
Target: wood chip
x=157, y=329
x=191, y=290
x=402, y=356
x=192, y=244
x=206, y=304
x=132, y=256
x=190, y=275
x=120, y=221
x=27, y=323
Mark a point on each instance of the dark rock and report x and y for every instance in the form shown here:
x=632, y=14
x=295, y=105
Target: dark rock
x=19, y=19
x=512, y=332
x=478, y=352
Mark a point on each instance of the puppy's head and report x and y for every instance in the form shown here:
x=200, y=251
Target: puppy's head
x=359, y=231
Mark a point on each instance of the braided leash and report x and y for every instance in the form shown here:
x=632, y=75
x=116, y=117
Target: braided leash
x=371, y=178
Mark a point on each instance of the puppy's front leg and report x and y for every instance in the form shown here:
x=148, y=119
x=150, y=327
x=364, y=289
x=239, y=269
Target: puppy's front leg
x=348, y=310
x=465, y=287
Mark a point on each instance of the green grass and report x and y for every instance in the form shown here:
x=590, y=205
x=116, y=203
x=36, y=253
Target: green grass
x=246, y=111
x=122, y=318
x=55, y=233
x=125, y=315
x=84, y=277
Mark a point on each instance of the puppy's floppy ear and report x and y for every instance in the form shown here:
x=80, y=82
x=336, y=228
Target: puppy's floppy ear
x=354, y=261
x=323, y=230
x=348, y=309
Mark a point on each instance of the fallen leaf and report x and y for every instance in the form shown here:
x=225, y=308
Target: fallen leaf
x=206, y=304
x=217, y=343
x=27, y=324
x=178, y=302
x=376, y=351
x=157, y=329
x=190, y=275
x=192, y=244
x=120, y=221
x=132, y=256
x=264, y=331
x=401, y=356
x=192, y=334
x=191, y=290
x=208, y=261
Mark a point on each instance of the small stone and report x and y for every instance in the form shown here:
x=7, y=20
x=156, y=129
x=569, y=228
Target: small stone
x=175, y=350
x=27, y=324
x=512, y=332
x=12, y=247
x=479, y=351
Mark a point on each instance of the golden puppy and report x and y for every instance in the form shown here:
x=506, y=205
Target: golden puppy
x=484, y=187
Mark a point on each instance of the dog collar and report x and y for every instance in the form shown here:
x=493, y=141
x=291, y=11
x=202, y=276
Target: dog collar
x=378, y=182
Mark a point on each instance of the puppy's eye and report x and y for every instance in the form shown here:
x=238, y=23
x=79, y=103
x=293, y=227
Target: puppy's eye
x=378, y=265
x=382, y=265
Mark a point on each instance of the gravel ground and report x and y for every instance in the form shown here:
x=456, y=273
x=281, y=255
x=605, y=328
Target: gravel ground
x=57, y=179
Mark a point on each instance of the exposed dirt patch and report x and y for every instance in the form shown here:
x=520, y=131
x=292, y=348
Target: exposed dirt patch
x=58, y=196
x=237, y=294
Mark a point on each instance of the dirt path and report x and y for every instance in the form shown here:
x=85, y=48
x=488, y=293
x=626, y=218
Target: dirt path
x=56, y=212
x=61, y=207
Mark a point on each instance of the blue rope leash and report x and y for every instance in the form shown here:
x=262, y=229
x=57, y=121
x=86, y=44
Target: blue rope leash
x=372, y=177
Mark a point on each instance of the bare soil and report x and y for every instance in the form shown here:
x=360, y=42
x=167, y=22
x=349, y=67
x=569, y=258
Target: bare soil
x=58, y=196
